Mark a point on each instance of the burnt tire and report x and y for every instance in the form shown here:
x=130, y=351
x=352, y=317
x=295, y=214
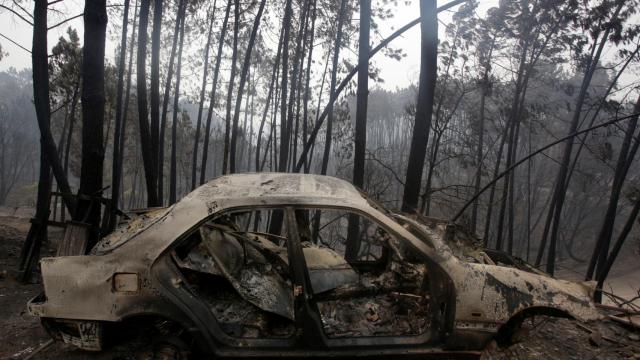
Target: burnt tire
x=170, y=348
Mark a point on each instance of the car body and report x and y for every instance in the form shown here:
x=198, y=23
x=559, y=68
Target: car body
x=427, y=278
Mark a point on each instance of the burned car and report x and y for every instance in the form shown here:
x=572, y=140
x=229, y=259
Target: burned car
x=269, y=264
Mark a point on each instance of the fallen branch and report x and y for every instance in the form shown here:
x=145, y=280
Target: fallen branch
x=617, y=308
x=39, y=349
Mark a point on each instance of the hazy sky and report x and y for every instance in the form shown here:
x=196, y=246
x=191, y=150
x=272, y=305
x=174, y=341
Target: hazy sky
x=395, y=74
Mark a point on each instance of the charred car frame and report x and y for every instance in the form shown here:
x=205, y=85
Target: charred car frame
x=255, y=265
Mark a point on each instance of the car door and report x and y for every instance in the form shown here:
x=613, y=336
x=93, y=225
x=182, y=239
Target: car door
x=365, y=286
x=237, y=280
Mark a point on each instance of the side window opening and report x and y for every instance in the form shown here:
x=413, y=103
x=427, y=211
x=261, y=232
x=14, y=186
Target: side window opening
x=365, y=284
x=239, y=269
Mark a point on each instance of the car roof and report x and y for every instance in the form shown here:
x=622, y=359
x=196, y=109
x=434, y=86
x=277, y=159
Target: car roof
x=247, y=190
x=277, y=188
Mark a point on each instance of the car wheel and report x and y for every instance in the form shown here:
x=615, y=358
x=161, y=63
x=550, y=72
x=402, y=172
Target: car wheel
x=170, y=348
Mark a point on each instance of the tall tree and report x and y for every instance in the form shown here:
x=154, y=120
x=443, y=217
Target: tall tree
x=243, y=79
x=148, y=157
x=155, y=91
x=362, y=94
x=93, y=106
x=424, y=103
x=174, y=125
x=307, y=87
x=272, y=84
x=117, y=150
x=39, y=60
x=485, y=52
x=332, y=88
x=284, y=135
x=360, y=135
x=234, y=59
x=205, y=72
x=182, y=6
x=294, y=98
x=93, y=100
x=127, y=97
x=212, y=96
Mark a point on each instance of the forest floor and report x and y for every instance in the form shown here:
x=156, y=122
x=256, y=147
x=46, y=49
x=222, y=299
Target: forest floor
x=542, y=338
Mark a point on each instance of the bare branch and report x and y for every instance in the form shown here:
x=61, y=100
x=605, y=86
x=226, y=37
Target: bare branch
x=507, y=170
x=16, y=14
x=23, y=9
x=395, y=175
x=65, y=21
x=16, y=44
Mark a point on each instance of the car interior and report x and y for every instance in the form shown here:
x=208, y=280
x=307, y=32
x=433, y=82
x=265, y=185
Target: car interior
x=363, y=280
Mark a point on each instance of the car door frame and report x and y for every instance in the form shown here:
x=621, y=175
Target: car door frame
x=167, y=274
x=435, y=334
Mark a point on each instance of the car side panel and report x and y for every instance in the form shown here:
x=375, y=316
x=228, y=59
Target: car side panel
x=489, y=296
x=88, y=288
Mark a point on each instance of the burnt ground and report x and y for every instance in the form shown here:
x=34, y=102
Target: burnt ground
x=21, y=335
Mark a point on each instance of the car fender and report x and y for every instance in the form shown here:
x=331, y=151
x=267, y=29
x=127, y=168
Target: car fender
x=94, y=288
x=493, y=294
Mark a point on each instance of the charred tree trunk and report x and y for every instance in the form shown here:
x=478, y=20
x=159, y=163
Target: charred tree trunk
x=362, y=95
x=484, y=89
x=360, y=135
x=479, y=149
x=424, y=105
x=275, y=224
x=274, y=79
x=40, y=65
x=93, y=101
x=182, y=5
x=174, y=125
x=205, y=72
x=496, y=171
x=155, y=95
x=126, y=105
x=307, y=88
x=284, y=135
x=180, y=15
x=332, y=89
x=295, y=81
x=243, y=80
x=296, y=88
x=72, y=120
x=511, y=124
x=117, y=136
x=234, y=58
x=207, y=132
x=148, y=157
x=37, y=233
